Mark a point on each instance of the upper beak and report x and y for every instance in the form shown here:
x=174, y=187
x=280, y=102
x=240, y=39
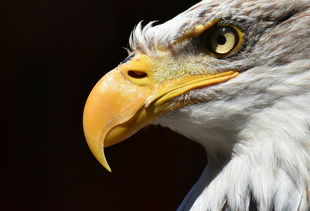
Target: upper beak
x=128, y=98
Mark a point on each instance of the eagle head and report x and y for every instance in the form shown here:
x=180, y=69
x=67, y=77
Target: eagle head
x=231, y=75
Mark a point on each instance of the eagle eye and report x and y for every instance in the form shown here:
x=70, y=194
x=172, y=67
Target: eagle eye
x=223, y=40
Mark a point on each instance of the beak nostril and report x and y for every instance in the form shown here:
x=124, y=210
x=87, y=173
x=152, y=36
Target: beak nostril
x=137, y=74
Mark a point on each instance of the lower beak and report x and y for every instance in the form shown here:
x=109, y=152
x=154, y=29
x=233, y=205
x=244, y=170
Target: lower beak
x=121, y=103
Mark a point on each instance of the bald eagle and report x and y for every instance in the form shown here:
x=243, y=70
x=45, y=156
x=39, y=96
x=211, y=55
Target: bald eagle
x=231, y=75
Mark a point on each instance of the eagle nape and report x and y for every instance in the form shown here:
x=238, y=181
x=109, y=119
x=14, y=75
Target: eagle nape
x=231, y=75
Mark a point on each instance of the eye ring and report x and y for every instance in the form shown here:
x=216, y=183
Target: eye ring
x=223, y=40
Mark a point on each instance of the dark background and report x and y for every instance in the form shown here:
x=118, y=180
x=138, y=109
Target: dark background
x=52, y=53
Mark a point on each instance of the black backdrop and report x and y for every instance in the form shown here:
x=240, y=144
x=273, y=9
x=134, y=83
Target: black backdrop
x=52, y=53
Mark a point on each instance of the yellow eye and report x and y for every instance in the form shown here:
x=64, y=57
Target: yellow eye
x=223, y=40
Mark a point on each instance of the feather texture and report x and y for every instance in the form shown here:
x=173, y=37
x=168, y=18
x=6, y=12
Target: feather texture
x=257, y=141
x=256, y=127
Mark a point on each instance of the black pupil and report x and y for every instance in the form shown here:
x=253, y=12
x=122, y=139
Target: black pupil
x=221, y=39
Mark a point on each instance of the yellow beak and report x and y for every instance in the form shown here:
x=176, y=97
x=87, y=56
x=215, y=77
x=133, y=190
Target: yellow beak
x=128, y=98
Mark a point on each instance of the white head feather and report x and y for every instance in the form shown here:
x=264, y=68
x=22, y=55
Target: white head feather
x=256, y=127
